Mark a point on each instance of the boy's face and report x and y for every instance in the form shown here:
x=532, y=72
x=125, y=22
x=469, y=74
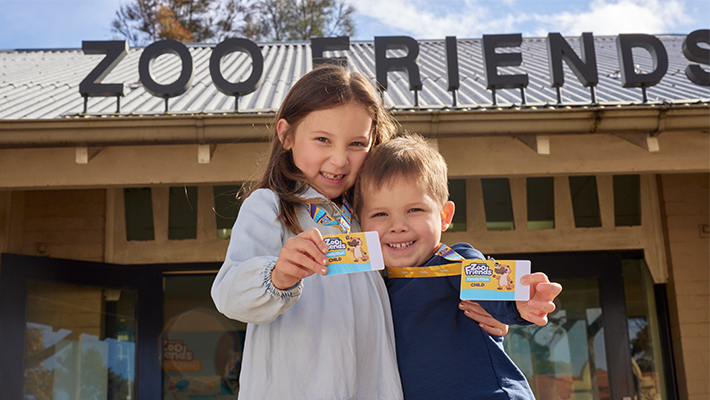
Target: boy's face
x=408, y=220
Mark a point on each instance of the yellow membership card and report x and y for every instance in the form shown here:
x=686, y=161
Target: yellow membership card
x=353, y=252
x=494, y=280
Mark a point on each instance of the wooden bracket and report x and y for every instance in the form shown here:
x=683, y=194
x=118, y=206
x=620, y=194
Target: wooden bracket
x=645, y=141
x=539, y=143
x=85, y=154
x=205, y=153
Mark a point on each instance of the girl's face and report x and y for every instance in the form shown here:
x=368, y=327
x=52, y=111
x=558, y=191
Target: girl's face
x=329, y=146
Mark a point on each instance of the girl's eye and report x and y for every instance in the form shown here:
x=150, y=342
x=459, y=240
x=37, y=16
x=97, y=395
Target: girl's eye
x=322, y=139
x=357, y=144
x=379, y=214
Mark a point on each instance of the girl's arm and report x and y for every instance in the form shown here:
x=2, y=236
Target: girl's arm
x=243, y=289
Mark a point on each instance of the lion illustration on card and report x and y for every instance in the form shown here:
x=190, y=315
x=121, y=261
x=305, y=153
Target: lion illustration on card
x=355, y=247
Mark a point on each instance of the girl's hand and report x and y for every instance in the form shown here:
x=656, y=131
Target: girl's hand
x=489, y=324
x=542, y=295
x=301, y=257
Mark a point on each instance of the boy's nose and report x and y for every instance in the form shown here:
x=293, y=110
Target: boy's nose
x=398, y=226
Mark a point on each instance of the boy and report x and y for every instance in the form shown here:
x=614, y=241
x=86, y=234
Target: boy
x=402, y=194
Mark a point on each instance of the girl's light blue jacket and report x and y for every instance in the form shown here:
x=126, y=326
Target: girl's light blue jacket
x=328, y=337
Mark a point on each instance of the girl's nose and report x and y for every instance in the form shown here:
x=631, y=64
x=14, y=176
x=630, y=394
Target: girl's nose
x=339, y=158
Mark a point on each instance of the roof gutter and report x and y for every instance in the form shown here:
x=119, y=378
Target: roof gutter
x=215, y=129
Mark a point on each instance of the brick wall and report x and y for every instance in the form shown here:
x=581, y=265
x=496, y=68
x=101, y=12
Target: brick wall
x=60, y=223
x=686, y=204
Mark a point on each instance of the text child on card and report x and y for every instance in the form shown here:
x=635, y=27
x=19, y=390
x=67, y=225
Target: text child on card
x=402, y=193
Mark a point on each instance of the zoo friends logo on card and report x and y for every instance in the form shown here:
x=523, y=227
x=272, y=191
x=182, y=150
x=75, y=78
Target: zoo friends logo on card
x=494, y=280
x=350, y=252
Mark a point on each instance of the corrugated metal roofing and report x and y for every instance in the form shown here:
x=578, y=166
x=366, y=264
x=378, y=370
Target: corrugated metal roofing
x=41, y=84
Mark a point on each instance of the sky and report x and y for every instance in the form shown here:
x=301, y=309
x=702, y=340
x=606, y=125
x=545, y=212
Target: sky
x=50, y=24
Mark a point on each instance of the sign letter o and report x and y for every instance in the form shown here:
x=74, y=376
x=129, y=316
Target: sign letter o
x=157, y=49
x=257, y=67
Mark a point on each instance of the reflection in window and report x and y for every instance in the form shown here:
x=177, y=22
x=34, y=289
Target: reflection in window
x=202, y=349
x=80, y=342
x=182, y=221
x=226, y=207
x=496, y=201
x=541, y=203
x=566, y=359
x=644, y=331
x=627, y=202
x=139, y=214
x=457, y=194
x=585, y=201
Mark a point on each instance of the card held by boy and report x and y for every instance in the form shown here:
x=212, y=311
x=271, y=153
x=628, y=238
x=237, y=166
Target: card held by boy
x=494, y=280
x=353, y=252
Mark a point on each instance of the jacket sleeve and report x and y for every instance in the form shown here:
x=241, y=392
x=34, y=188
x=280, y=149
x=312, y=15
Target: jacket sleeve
x=242, y=289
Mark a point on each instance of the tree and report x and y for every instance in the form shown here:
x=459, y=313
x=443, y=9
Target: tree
x=144, y=21
x=303, y=19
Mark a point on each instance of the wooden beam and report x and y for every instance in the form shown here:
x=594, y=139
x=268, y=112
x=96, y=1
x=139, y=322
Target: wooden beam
x=642, y=140
x=85, y=154
x=205, y=153
x=539, y=143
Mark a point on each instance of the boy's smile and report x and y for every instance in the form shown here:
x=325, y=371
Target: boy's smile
x=408, y=220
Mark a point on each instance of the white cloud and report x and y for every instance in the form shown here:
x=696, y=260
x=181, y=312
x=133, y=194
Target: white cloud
x=467, y=19
x=614, y=17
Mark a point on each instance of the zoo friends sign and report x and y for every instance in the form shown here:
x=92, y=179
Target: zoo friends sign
x=494, y=280
x=350, y=252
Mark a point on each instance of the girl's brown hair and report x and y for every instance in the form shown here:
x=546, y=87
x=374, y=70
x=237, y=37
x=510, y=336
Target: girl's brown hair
x=325, y=87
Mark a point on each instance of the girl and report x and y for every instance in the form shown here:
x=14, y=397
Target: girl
x=308, y=336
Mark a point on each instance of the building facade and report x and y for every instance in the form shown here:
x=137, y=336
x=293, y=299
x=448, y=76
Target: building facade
x=115, y=210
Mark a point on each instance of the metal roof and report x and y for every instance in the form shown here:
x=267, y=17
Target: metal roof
x=44, y=84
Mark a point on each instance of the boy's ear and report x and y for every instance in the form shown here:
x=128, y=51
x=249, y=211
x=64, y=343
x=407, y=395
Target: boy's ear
x=447, y=215
x=282, y=129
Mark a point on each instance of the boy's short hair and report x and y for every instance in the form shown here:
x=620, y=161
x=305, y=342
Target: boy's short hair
x=407, y=157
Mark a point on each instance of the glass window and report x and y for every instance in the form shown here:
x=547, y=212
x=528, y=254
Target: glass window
x=627, y=202
x=139, y=214
x=541, y=203
x=226, y=207
x=585, y=201
x=496, y=201
x=80, y=342
x=182, y=220
x=202, y=349
x=457, y=194
x=646, y=356
x=565, y=359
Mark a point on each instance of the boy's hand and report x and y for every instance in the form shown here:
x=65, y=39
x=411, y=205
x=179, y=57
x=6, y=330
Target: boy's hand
x=301, y=257
x=489, y=324
x=542, y=294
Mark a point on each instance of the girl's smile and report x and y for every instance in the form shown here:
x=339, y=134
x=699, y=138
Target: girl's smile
x=329, y=146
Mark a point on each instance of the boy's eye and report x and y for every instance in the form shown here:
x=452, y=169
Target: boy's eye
x=357, y=144
x=379, y=214
x=415, y=209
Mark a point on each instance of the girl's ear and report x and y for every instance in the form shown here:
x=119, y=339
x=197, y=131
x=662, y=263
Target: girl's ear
x=282, y=129
x=447, y=215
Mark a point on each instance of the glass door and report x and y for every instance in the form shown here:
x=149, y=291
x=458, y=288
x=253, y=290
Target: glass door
x=583, y=353
x=79, y=330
